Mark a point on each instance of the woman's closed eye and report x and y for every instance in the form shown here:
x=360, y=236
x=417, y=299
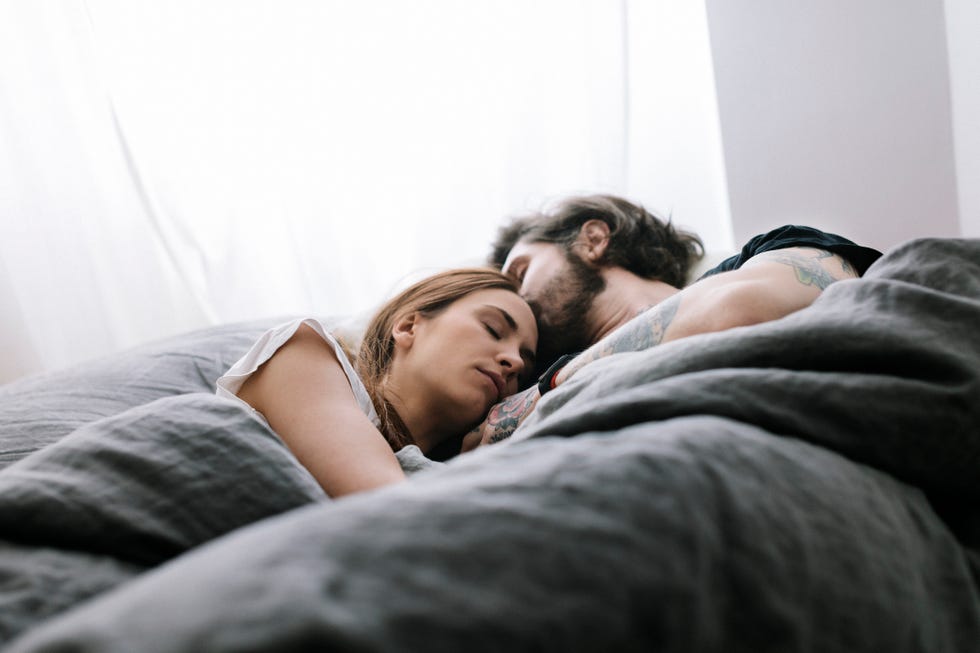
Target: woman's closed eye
x=492, y=331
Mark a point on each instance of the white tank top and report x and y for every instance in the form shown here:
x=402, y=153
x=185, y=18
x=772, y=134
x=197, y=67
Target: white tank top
x=270, y=342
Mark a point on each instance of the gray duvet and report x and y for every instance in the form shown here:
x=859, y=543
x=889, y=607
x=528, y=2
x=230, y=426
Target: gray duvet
x=811, y=484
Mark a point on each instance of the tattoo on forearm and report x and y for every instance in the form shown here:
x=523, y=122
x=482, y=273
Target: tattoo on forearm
x=809, y=270
x=505, y=417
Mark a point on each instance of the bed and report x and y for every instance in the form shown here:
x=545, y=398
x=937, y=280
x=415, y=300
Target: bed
x=810, y=484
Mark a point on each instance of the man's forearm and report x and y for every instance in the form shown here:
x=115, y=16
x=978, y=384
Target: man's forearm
x=503, y=419
x=506, y=416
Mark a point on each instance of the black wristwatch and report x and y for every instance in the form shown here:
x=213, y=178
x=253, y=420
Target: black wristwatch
x=546, y=382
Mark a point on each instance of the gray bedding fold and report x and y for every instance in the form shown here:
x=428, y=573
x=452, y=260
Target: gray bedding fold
x=41, y=409
x=123, y=494
x=766, y=489
x=694, y=534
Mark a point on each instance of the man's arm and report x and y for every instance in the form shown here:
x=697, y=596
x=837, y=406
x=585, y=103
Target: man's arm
x=503, y=419
x=767, y=287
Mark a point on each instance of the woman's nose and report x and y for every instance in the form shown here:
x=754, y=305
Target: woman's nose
x=511, y=362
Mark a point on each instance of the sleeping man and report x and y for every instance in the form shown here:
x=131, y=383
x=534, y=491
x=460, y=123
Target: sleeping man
x=603, y=275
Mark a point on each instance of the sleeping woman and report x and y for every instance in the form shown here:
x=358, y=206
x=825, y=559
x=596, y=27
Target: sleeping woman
x=433, y=360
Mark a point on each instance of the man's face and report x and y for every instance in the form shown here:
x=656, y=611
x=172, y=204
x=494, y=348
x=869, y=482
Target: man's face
x=560, y=288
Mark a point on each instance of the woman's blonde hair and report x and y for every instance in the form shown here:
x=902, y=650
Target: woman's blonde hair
x=427, y=297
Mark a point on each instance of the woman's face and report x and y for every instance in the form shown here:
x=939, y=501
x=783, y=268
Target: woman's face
x=466, y=358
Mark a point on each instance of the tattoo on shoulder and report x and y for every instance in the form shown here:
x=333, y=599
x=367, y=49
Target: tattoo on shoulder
x=644, y=331
x=647, y=329
x=808, y=268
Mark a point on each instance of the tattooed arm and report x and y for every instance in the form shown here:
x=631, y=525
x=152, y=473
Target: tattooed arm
x=502, y=420
x=767, y=287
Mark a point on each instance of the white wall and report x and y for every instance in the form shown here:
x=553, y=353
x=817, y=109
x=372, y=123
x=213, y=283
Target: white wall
x=836, y=114
x=963, y=43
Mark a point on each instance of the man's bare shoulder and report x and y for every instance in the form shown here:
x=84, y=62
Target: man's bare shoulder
x=811, y=266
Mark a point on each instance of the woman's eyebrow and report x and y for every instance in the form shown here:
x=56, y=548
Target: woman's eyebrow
x=526, y=353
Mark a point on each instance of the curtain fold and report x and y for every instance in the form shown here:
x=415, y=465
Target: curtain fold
x=84, y=272
x=167, y=166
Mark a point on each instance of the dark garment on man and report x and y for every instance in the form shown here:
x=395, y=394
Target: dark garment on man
x=859, y=257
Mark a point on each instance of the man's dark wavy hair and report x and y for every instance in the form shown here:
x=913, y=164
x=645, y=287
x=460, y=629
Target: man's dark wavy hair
x=639, y=241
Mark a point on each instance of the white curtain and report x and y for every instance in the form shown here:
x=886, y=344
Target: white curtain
x=170, y=165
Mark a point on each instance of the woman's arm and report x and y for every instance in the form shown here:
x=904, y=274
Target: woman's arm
x=304, y=394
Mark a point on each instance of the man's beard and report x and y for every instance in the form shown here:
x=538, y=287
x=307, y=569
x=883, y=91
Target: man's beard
x=563, y=325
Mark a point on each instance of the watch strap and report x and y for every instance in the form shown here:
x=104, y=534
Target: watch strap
x=546, y=382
